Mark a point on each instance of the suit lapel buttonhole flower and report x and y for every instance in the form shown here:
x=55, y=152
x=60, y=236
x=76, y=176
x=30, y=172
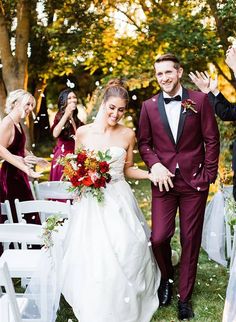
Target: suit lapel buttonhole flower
x=188, y=104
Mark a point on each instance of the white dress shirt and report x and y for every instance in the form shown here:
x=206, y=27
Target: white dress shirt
x=173, y=113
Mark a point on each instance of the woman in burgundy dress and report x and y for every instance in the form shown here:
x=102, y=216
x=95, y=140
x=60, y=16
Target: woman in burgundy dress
x=14, y=182
x=64, y=127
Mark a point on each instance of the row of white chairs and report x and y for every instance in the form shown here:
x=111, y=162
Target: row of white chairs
x=22, y=262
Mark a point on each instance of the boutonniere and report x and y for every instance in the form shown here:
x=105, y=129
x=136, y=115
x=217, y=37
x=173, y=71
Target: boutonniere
x=188, y=104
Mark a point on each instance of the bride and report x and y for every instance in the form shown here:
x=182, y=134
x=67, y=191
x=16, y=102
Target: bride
x=109, y=273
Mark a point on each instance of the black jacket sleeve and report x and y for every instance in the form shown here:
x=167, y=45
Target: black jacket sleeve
x=223, y=108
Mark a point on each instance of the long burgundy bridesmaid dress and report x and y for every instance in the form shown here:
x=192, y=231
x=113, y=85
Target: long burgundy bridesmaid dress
x=14, y=183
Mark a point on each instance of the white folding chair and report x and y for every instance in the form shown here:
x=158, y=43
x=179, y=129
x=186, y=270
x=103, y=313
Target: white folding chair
x=45, y=208
x=32, y=189
x=6, y=211
x=11, y=304
x=229, y=233
x=53, y=190
x=22, y=262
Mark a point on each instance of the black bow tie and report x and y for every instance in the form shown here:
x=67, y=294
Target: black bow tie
x=171, y=99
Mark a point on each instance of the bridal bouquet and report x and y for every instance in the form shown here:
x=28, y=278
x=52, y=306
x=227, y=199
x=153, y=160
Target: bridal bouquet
x=88, y=172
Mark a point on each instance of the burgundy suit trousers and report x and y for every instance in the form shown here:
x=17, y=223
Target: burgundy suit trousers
x=191, y=204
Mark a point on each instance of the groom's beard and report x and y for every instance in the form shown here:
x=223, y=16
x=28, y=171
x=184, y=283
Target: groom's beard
x=170, y=89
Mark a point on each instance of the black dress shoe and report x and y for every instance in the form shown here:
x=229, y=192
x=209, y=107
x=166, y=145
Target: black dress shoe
x=185, y=311
x=165, y=292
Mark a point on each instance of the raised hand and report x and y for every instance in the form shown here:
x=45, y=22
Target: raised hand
x=204, y=82
x=231, y=58
x=70, y=108
x=162, y=176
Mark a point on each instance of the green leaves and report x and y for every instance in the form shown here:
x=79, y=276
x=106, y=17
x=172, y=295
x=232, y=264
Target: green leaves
x=104, y=156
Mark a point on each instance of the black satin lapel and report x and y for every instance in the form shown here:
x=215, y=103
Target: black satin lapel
x=164, y=118
x=182, y=116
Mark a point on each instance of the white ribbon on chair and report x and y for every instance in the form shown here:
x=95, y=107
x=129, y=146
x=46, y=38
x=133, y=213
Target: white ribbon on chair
x=213, y=235
x=44, y=289
x=229, y=314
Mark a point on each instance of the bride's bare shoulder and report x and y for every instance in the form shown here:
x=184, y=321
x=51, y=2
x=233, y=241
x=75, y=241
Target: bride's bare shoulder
x=84, y=129
x=126, y=131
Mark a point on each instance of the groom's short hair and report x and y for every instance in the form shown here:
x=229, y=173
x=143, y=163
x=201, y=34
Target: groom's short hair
x=169, y=57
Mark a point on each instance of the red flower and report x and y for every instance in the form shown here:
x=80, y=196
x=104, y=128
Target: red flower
x=82, y=171
x=75, y=181
x=81, y=157
x=188, y=104
x=87, y=181
x=104, y=167
x=100, y=183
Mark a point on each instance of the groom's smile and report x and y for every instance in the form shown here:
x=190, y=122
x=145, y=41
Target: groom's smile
x=168, y=76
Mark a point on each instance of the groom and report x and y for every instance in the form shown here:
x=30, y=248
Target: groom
x=179, y=142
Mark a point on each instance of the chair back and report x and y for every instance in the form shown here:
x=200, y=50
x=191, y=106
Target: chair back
x=31, y=184
x=21, y=233
x=45, y=208
x=8, y=300
x=52, y=190
x=6, y=210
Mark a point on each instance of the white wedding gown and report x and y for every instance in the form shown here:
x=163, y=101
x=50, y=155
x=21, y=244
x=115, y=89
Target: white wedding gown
x=101, y=260
x=109, y=273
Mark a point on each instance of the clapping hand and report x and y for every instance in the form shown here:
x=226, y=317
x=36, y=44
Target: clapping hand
x=161, y=176
x=204, y=82
x=31, y=160
x=231, y=58
x=33, y=174
x=70, y=108
x=43, y=163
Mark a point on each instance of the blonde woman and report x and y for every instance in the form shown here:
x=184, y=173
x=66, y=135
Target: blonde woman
x=14, y=182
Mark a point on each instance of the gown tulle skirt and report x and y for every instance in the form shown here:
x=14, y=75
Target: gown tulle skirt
x=109, y=272
x=102, y=260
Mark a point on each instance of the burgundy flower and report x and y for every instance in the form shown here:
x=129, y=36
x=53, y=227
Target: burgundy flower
x=82, y=171
x=75, y=181
x=100, y=183
x=81, y=157
x=104, y=167
x=188, y=104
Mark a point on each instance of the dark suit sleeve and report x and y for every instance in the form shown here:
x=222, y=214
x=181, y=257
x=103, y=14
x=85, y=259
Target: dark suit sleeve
x=223, y=108
x=145, y=143
x=210, y=134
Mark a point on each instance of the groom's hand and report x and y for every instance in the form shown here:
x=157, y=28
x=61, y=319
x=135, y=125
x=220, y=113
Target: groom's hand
x=162, y=176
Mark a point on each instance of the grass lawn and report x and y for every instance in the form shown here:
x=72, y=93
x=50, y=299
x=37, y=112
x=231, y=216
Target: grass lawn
x=210, y=286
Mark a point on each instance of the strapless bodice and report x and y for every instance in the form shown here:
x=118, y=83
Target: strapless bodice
x=117, y=162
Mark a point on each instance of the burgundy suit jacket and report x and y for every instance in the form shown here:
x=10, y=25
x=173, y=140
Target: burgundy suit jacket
x=197, y=147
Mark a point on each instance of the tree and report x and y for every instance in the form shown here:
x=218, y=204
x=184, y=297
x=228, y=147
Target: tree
x=14, y=59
